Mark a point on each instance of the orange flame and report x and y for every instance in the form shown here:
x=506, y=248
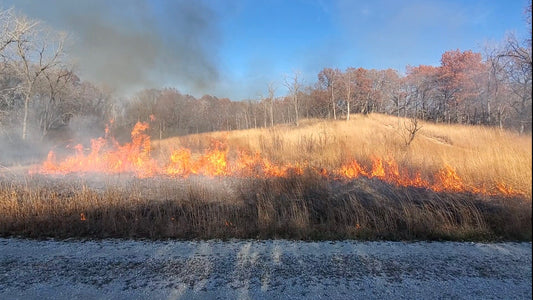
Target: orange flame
x=106, y=155
x=180, y=163
x=352, y=170
x=448, y=180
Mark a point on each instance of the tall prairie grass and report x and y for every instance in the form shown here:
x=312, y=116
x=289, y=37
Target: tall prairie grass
x=305, y=206
x=481, y=156
x=297, y=207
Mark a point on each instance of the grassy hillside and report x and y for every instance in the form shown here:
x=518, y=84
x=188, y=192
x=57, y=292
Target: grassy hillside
x=480, y=155
x=477, y=185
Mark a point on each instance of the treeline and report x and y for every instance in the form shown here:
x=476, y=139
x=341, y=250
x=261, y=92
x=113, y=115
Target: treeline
x=466, y=88
x=40, y=93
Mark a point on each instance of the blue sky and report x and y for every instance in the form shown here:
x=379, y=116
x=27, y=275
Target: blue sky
x=235, y=48
x=273, y=38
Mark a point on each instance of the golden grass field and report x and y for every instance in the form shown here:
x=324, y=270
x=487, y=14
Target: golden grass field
x=304, y=205
x=480, y=155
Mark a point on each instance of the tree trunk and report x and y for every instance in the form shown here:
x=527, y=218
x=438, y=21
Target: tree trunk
x=288, y=114
x=44, y=125
x=488, y=113
x=271, y=112
x=25, y=120
x=296, y=109
x=264, y=114
x=348, y=111
x=333, y=104
x=348, y=97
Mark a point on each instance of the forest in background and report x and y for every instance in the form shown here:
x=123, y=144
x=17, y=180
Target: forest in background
x=42, y=97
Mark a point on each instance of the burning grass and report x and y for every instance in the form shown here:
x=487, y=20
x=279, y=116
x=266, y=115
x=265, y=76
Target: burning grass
x=107, y=156
x=479, y=156
x=318, y=181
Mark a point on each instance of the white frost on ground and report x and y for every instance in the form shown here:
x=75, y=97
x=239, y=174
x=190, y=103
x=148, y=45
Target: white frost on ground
x=253, y=269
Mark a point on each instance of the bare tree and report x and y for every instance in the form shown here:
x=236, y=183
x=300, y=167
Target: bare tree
x=495, y=87
x=517, y=63
x=6, y=35
x=294, y=85
x=348, y=84
x=328, y=78
x=34, y=49
x=271, y=92
x=410, y=130
x=11, y=28
x=57, y=109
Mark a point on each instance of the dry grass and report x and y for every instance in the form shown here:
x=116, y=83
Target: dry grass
x=480, y=155
x=300, y=207
x=307, y=206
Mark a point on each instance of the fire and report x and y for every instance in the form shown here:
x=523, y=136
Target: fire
x=377, y=168
x=106, y=155
x=180, y=163
x=352, y=170
x=448, y=180
x=214, y=161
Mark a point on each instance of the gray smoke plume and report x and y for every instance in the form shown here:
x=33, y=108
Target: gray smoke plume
x=128, y=45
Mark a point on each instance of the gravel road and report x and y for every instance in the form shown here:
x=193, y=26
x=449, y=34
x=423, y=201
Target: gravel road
x=253, y=269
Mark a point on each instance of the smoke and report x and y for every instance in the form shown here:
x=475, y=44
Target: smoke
x=128, y=45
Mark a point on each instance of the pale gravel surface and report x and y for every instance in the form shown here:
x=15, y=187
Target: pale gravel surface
x=254, y=269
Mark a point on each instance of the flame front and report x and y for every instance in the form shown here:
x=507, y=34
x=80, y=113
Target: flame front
x=107, y=156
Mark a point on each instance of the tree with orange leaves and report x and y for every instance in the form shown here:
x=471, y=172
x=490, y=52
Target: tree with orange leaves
x=459, y=81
